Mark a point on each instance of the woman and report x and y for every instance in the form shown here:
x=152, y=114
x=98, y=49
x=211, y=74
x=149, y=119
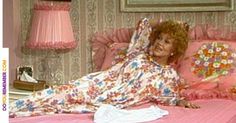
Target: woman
x=145, y=75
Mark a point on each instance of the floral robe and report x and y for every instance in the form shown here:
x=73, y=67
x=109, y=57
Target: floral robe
x=133, y=81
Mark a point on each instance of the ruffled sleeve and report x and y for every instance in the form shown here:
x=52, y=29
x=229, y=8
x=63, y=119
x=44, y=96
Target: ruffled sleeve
x=140, y=38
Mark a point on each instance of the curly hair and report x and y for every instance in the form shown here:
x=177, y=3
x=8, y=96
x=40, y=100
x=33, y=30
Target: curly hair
x=177, y=31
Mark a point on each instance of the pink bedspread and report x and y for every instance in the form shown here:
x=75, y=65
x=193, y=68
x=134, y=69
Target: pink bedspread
x=211, y=111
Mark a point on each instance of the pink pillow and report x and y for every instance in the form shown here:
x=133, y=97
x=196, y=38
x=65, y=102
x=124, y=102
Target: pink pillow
x=109, y=47
x=209, y=68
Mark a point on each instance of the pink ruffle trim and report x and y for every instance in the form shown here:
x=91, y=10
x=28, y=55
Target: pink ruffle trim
x=207, y=91
x=193, y=94
x=58, y=45
x=210, y=32
x=55, y=6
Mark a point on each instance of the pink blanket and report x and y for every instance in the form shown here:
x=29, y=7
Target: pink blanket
x=211, y=111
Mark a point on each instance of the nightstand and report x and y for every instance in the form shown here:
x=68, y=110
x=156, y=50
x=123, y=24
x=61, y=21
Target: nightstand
x=15, y=94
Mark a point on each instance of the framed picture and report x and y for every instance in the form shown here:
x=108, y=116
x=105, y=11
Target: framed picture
x=27, y=68
x=175, y=5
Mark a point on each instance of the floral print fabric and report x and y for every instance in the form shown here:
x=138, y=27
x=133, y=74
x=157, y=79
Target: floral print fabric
x=134, y=81
x=213, y=60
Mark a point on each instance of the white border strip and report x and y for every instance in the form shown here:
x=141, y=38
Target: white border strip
x=1, y=25
x=4, y=85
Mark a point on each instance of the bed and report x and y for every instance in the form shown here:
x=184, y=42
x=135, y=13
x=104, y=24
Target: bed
x=217, y=105
x=211, y=111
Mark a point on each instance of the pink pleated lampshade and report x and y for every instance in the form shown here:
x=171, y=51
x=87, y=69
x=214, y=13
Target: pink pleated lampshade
x=51, y=27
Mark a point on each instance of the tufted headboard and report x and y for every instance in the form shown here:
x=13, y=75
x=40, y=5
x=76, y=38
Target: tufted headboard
x=109, y=46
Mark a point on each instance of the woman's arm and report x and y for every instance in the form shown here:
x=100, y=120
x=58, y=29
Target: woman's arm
x=169, y=93
x=175, y=101
x=140, y=37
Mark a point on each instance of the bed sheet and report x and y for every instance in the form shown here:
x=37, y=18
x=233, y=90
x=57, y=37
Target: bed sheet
x=211, y=111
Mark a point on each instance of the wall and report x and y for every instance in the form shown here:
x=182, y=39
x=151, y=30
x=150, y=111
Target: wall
x=11, y=28
x=88, y=17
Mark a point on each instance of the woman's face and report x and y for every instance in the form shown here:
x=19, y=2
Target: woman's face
x=163, y=46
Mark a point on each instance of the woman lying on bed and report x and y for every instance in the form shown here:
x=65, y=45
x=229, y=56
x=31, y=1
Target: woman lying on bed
x=145, y=75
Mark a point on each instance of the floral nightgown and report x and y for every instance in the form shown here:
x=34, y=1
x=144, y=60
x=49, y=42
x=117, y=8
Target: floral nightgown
x=133, y=81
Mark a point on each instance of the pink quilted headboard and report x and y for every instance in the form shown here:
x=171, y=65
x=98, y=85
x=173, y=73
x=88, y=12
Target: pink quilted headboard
x=107, y=44
x=210, y=32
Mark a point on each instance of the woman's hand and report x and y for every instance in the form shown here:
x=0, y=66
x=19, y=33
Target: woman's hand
x=187, y=104
x=153, y=22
